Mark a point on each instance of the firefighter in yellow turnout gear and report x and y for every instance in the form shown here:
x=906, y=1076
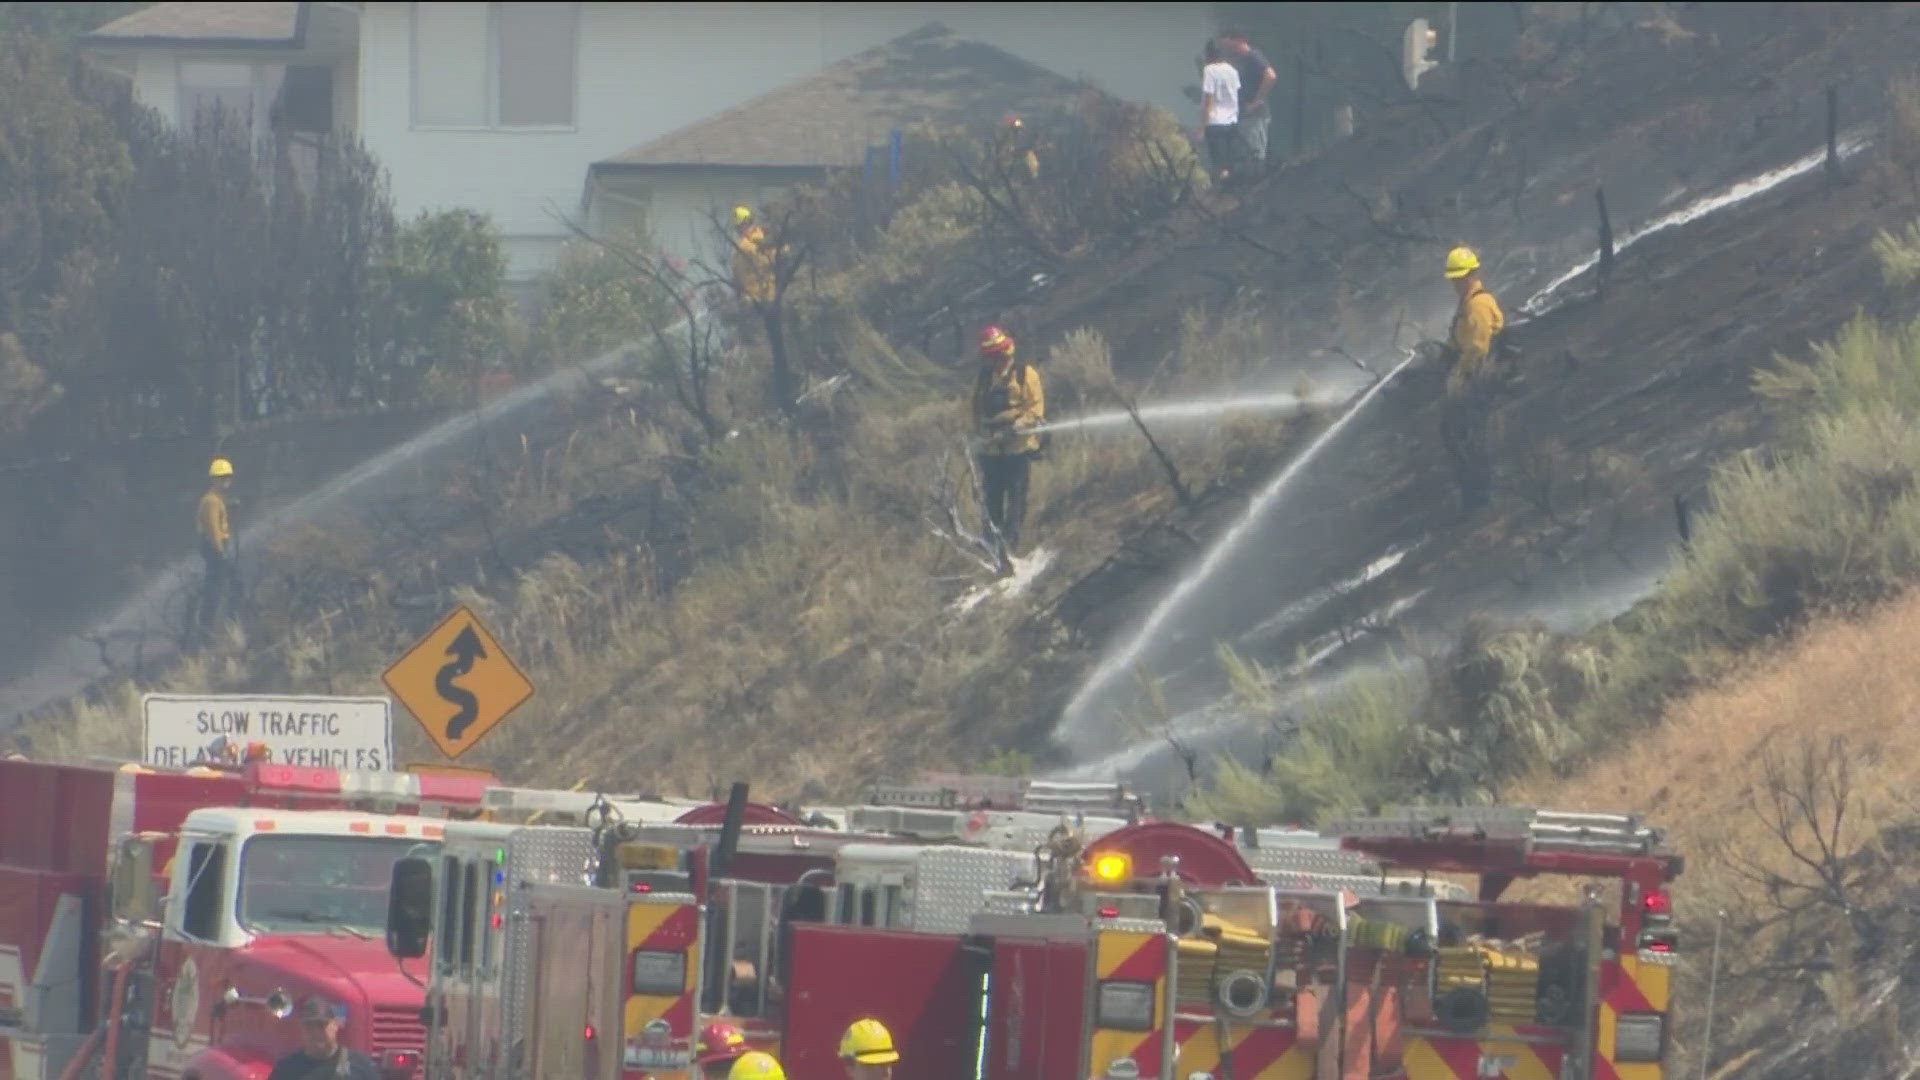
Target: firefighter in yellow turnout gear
x=215, y=532
x=752, y=258
x=867, y=1049
x=1008, y=403
x=1472, y=379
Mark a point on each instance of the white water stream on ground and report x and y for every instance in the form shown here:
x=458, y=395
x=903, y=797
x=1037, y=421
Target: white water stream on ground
x=74, y=663
x=1082, y=732
x=1089, y=735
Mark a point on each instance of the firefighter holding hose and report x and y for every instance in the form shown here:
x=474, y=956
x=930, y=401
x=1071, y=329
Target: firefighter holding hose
x=215, y=530
x=1008, y=404
x=1472, y=378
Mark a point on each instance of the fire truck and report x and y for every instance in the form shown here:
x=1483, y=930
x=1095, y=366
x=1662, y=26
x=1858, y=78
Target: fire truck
x=167, y=922
x=1158, y=951
x=677, y=924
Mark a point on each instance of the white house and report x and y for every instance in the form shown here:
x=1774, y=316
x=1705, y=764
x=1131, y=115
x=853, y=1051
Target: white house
x=503, y=107
x=842, y=116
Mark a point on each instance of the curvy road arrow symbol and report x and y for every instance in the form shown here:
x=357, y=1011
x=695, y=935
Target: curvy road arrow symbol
x=466, y=648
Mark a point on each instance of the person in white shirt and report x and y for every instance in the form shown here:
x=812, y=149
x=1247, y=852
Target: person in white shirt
x=1219, y=110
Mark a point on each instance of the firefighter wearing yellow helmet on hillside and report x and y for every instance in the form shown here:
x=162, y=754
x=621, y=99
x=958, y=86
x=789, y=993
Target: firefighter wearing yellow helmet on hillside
x=1472, y=349
x=755, y=1065
x=215, y=532
x=1008, y=403
x=752, y=258
x=867, y=1049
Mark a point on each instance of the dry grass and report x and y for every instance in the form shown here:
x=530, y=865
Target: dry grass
x=1696, y=772
x=1811, y=924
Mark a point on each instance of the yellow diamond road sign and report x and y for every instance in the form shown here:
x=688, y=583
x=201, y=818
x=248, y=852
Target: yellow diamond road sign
x=458, y=683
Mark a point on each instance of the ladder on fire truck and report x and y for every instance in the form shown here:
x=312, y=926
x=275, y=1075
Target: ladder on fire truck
x=942, y=791
x=1524, y=827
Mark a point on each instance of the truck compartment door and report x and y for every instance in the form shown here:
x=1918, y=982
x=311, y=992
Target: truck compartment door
x=918, y=985
x=1037, y=1008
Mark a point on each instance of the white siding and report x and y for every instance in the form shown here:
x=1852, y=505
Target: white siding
x=678, y=207
x=646, y=69
x=156, y=81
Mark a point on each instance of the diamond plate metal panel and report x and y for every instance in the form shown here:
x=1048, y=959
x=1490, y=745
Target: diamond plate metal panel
x=535, y=856
x=1307, y=860
x=1614, y=833
x=952, y=884
x=1010, y=902
x=553, y=855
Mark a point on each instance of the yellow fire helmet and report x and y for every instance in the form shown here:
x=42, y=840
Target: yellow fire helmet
x=756, y=1066
x=1461, y=261
x=742, y=215
x=220, y=467
x=868, y=1042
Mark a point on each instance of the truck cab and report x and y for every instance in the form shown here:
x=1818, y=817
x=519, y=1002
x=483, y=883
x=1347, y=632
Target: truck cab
x=265, y=908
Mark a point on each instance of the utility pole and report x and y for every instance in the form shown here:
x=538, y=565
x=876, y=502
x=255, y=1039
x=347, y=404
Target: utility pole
x=1453, y=27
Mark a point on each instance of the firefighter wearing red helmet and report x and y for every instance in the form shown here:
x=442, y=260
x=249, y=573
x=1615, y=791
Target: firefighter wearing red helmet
x=1008, y=404
x=718, y=1046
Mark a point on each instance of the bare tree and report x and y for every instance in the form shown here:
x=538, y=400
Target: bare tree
x=689, y=353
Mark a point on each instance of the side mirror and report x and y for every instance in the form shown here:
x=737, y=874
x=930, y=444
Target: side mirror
x=135, y=896
x=410, y=908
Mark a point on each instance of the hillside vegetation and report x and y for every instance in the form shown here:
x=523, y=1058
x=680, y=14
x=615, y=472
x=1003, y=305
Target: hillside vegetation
x=707, y=580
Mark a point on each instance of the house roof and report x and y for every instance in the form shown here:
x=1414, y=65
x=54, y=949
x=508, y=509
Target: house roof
x=265, y=24
x=928, y=77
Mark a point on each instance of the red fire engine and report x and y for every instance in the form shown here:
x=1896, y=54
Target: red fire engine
x=167, y=922
x=542, y=965
x=1157, y=951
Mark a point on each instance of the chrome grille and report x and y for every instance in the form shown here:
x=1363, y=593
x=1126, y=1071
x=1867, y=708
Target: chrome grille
x=397, y=1027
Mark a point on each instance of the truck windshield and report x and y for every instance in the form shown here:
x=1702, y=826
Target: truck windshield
x=319, y=884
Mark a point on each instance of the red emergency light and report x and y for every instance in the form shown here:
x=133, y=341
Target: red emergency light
x=1657, y=905
x=399, y=1064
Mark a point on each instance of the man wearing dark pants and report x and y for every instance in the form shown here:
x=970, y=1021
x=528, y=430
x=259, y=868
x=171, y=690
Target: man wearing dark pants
x=1219, y=111
x=1256, y=82
x=216, y=547
x=1008, y=404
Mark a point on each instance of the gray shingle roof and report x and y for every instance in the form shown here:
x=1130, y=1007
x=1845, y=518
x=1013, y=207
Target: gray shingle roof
x=828, y=119
x=265, y=23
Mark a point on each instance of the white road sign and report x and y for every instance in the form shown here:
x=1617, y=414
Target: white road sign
x=324, y=732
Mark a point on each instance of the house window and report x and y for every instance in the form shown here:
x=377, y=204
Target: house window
x=494, y=65
x=209, y=88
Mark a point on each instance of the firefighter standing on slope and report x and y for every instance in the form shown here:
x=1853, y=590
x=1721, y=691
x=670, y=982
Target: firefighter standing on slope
x=1008, y=404
x=1014, y=149
x=1472, y=380
x=719, y=1046
x=216, y=546
x=752, y=259
x=867, y=1049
